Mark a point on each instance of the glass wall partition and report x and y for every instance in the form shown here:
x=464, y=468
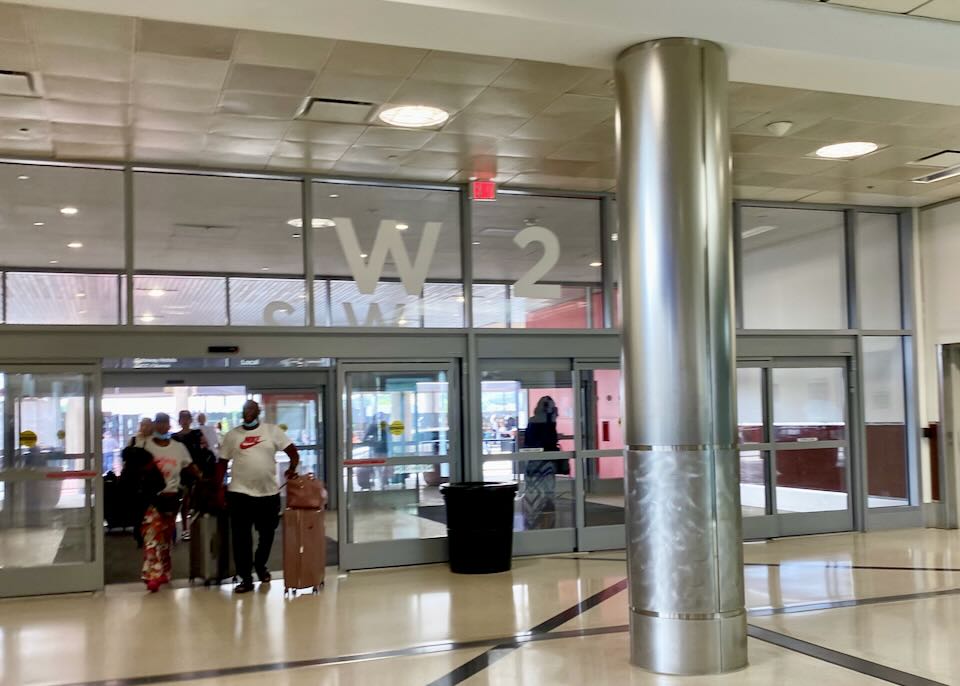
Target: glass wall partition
x=885, y=421
x=386, y=256
x=242, y=230
x=537, y=263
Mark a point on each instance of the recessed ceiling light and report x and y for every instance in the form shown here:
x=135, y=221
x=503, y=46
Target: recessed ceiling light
x=156, y=292
x=402, y=227
x=843, y=151
x=295, y=235
x=75, y=245
x=364, y=256
x=460, y=299
x=414, y=116
x=317, y=223
x=23, y=177
x=264, y=269
x=476, y=242
x=402, y=322
x=614, y=237
x=38, y=223
x=81, y=294
x=147, y=318
x=54, y=262
x=334, y=195
x=596, y=264
x=69, y=211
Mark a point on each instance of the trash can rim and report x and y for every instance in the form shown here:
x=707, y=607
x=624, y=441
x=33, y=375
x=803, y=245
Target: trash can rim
x=479, y=486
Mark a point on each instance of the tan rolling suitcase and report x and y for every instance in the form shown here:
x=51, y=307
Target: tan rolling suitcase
x=304, y=550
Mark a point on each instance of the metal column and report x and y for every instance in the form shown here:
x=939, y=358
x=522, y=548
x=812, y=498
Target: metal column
x=685, y=558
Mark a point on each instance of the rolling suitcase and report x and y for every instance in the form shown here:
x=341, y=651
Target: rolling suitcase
x=210, y=549
x=304, y=550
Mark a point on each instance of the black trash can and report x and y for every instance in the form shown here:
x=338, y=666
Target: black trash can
x=480, y=526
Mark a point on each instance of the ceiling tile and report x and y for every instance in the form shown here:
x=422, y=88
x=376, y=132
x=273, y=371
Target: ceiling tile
x=372, y=59
x=92, y=63
x=89, y=151
x=784, y=165
x=308, y=151
x=262, y=79
x=188, y=72
x=89, y=133
x=784, y=194
x=87, y=90
x=324, y=133
x=23, y=108
x=551, y=181
x=227, y=159
x=281, y=50
x=240, y=146
x=249, y=127
x=175, y=98
x=746, y=97
x=294, y=164
x=514, y=103
x=449, y=97
x=38, y=146
x=24, y=129
x=12, y=25
x=80, y=113
x=935, y=116
x=364, y=168
x=553, y=128
x=429, y=159
x=376, y=89
x=395, y=138
x=480, y=124
x=64, y=27
x=598, y=82
x=541, y=76
x=173, y=140
x=420, y=174
x=583, y=108
x=165, y=120
x=583, y=152
x=386, y=156
x=259, y=105
x=939, y=9
x=899, y=6
x=185, y=40
x=17, y=56
x=460, y=69
x=463, y=144
x=166, y=155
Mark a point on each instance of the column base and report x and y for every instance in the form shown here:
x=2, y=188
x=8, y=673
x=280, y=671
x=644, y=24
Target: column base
x=669, y=645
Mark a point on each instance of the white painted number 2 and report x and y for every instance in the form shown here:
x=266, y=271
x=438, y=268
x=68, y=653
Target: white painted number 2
x=527, y=286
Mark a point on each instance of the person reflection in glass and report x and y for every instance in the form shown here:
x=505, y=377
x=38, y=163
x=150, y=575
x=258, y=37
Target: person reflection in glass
x=540, y=476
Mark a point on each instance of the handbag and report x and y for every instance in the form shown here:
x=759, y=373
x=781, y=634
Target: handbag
x=306, y=493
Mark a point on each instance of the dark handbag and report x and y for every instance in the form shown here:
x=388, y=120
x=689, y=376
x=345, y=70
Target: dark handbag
x=562, y=467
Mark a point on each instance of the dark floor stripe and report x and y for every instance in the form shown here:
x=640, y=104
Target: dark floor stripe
x=845, y=565
x=585, y=558
x=500, y=651
x=856, y=664
x=853, y=602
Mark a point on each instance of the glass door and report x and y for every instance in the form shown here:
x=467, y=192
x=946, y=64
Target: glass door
x=300, y=414
x=50, y=538
x=397, y=449
x=530, y=431
x=794, y=447
x=600, y=460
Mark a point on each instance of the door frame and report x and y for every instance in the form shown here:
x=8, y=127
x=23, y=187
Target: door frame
x=399, y=552
x=773, y=524
x=71, y=577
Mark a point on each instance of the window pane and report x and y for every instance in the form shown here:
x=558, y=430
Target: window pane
x=180, y=300
x=885, y=420
x=509, y=401
x=753, y=483
x=811, y=480
x=518, y=236
x=602, y=427
x=793, y=269
x=391, y=255
x=394, y=502
x=809, y=404
x=217, y=224
x=267, y=302
x=878, y=270
x=56, y=298
x=36, y=232
x=750, y=405
x=546, y=497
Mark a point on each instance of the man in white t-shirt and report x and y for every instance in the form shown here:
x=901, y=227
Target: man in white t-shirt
x=253, y=494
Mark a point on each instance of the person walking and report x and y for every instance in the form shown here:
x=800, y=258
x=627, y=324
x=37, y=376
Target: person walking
x=210, y=433
x=170, y=458
x=253, y=496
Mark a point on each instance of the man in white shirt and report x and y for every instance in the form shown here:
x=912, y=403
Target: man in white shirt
x=209, y=433
x=253, y=494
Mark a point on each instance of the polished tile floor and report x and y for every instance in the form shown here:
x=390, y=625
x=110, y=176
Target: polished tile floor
x=843, y=609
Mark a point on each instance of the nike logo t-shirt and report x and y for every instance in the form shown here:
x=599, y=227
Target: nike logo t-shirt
x=253, y=453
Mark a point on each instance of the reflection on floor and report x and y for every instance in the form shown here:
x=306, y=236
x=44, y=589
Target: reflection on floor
x=881, y=604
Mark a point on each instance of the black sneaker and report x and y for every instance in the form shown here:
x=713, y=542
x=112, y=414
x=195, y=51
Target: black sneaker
x=264, y=576
x=244, y=586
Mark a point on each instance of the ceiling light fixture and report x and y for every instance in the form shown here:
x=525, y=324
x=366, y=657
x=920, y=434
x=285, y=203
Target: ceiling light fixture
x=38, y=223
x=402, y=322
x=476, y=243
x=68, y=211
x=75, y=245
x=846, y=151
x=23, y=177
x=54, y=262
x=614, y=237
x=317, y=223
x=596, y=264
x=147, y=318
x=414, y=116
x=402, y=227
x=295, y=235
x=364, y=256
x=941, y=175
x=81, y=294
x=264, y=269
x=156, y=292
x=334, y=195
x=779, y=128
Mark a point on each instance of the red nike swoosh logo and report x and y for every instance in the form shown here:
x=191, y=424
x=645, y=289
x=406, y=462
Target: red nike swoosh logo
x=250, y=441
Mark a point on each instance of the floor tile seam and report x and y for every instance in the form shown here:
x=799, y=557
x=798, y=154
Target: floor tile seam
x=828, y=565
x=840, y=659
x=801, y=608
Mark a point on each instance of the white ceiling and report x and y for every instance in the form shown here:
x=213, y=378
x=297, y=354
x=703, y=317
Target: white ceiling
x=947, y=10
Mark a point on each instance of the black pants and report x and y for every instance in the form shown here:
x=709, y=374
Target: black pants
x=247, y=513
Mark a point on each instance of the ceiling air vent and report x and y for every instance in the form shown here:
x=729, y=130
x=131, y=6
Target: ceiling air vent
x=336, y=111
x=947, y=163
x=19, y=83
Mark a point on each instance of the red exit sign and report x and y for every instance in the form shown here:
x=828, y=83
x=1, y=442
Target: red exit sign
x=483, y=190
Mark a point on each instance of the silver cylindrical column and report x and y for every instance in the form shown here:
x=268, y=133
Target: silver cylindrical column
x=685, y=557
